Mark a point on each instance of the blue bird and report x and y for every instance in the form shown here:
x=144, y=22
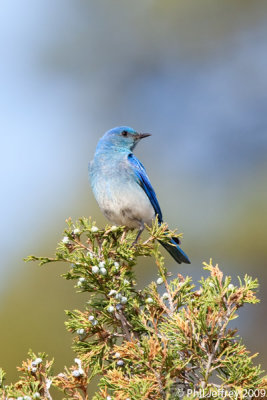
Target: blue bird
x=121, y=186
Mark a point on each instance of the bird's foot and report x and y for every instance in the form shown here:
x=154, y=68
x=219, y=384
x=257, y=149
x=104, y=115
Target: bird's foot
x=138, y=236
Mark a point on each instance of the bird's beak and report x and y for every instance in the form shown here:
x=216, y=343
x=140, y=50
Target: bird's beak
x=143, y=135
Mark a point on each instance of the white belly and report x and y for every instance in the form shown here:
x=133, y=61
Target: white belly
x=127, y=205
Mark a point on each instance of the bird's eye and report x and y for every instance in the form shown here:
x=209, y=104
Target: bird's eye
x=124, y=133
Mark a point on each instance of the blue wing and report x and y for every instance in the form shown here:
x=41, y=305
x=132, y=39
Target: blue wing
x=142, y=179
x=145, y=184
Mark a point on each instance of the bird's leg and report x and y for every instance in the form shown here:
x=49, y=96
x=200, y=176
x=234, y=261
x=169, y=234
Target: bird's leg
x=138, y=234
x=124, y=234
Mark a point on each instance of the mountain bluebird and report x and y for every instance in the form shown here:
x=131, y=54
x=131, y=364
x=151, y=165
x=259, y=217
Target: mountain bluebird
x=122, y=188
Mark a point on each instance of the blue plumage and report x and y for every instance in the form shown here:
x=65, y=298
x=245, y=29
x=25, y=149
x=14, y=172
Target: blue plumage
x=144, y=182
x=122, y=188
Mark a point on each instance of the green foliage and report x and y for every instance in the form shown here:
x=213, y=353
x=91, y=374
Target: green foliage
x=144, y=344
x=34, y=382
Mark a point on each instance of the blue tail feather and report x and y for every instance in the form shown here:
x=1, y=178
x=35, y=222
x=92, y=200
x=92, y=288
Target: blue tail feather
x=175, y=251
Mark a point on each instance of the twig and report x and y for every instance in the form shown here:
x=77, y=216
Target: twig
x=223, y=325
x=172, y=308
x=124, y=324
x=46, y=389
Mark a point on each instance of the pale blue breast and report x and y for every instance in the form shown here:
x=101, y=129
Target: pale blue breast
x=120, y=197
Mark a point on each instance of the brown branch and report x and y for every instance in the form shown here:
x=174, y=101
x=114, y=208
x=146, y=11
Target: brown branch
x=125, y=325
x=46, y=390
x=212, y=354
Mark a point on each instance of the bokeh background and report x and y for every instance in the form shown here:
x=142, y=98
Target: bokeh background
x=194, y=74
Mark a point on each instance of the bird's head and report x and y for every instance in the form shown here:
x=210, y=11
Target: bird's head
x=123, y=137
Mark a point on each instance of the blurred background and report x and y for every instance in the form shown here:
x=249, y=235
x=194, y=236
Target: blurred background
x=194, y=74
